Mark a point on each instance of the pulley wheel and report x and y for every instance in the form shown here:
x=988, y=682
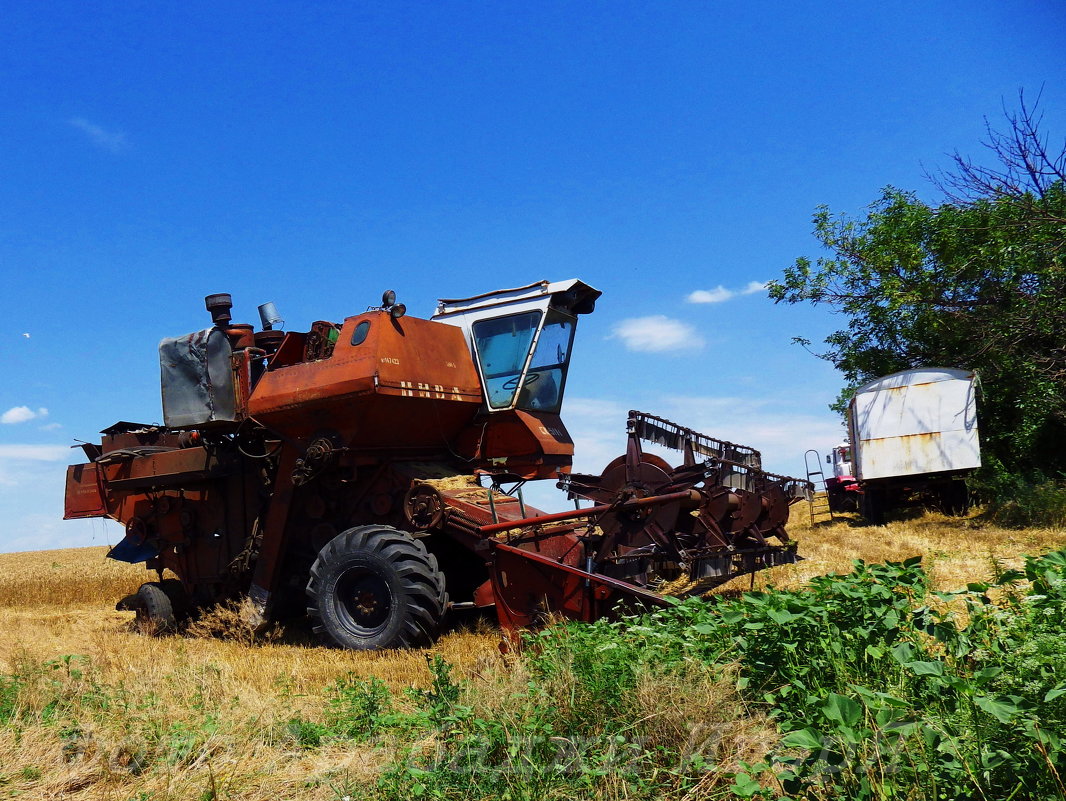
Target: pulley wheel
x=423, y=507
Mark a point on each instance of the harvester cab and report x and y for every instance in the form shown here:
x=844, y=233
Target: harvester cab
x=521, y=339
x=354, y=471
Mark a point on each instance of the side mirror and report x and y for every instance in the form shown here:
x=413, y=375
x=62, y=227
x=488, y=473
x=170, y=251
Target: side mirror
x=829, y=458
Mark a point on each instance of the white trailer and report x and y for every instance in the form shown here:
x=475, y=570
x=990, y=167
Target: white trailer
x=915, y=430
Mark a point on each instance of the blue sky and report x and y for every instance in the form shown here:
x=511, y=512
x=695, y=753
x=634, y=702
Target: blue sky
x=316, y=154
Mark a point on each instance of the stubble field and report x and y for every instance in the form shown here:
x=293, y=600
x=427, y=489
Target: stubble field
x=90, y=708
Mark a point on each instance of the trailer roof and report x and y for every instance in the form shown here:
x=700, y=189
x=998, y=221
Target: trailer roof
x=918, y=375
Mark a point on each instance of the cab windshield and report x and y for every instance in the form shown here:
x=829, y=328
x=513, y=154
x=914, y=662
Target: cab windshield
x=503, y=345
x=543, y=388
x=502, y=348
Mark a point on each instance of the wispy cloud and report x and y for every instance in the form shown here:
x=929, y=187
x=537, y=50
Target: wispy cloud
x=32, y=480
x=657, y=333
x=720, y=294
x=112, y=141
x=33, y=453
x=777, y=425
x=25, y=465
x=52, y=427
x=22, y=414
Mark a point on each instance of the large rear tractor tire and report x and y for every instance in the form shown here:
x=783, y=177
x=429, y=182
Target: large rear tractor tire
x=376, y=587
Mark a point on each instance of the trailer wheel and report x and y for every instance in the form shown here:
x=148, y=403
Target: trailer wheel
x=154, y=608
x=376, y=587
x=872, y=506
x=954, y=498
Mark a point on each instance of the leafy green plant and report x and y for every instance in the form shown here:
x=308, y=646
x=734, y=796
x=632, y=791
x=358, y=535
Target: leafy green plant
x=357, y=709
x=876, y=687
x=9, y=696
x=306, y=733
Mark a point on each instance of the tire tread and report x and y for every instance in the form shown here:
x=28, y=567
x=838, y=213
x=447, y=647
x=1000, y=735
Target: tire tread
x=424, y=599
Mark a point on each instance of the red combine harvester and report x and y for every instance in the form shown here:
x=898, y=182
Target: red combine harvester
x=370, y=471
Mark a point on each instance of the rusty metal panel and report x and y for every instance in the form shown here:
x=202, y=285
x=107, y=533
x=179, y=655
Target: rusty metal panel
x=915, y=422
x=197, y=379
x=164, y=468
x=83, y=498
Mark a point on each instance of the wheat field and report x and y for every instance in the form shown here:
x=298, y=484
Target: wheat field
x=95, y=696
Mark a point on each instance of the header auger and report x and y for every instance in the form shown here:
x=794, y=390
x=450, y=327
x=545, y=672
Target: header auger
x=369, y=473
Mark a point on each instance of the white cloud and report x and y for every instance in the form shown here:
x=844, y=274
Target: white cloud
x=113, y=141
x=39, y=531
x=32, y=484
x=716, y=295
x=657, y=333
x=21, y=414
x=598, y=428
x=754, y=287
x=52, y=427
x=778, y=427
x=720, y=294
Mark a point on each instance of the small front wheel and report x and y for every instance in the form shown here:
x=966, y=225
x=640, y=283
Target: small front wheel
x=155, y=609
x=376, y=587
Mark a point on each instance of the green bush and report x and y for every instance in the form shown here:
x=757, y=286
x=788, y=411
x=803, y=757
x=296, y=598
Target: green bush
x=1032, y=504
x=1018, y=500
x=878, y=688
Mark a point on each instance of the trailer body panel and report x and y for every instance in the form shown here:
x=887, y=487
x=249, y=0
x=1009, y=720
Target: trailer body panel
x=915, y=422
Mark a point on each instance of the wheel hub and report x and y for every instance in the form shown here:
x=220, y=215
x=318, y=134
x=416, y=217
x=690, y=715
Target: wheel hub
x=364, y=598
x=366, y=603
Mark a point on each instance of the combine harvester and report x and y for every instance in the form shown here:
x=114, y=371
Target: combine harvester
x=370, y=473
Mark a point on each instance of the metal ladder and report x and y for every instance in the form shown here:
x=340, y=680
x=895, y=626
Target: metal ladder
x=821, y=511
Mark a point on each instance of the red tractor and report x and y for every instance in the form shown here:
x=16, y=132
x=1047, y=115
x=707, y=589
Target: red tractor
x=370, y=472
x=843, y=490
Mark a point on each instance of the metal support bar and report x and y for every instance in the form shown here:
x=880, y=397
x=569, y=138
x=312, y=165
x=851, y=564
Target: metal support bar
x=595, y=578
x=655, y=500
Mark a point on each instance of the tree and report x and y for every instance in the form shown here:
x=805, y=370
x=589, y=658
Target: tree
x=977, y=282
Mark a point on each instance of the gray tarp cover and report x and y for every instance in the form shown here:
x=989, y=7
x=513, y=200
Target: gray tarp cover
x=197, y=379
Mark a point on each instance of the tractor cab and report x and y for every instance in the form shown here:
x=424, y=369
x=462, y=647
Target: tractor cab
x=840, y=457
x=521, y=339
